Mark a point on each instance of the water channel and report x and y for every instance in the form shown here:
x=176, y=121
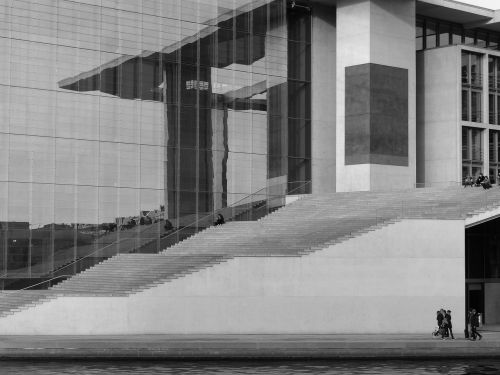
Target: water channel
x=392, y=367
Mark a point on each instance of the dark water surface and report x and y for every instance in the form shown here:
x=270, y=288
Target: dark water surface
x=456, y=367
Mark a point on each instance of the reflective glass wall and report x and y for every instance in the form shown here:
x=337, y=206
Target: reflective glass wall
x=119, y=115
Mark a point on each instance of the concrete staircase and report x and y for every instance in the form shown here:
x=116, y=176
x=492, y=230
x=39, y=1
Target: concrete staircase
x=309, y=224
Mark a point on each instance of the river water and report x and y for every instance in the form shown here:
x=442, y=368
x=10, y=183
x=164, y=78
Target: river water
x=291, y=367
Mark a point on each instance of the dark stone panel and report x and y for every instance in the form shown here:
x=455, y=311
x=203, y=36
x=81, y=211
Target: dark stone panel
x=357, y=90
x=380, y=93
x=357, y=139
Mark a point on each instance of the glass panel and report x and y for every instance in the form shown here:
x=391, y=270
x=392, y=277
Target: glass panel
x=475, y=106
x=491, y=103
x=492, y=150
x=465, y=144
x=431, y=35
x=465, y=105
x=444, y=34
x=469, y=36
x=481, y=39
x=465, y=68
x=299, y=94
x=456, y=36
x=476, y=142
x=491, y=72
x=475, y=69
x=299, y=54
x=497, y=109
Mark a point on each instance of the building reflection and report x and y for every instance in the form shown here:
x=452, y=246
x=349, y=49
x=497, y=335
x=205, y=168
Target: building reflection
x=191, y=117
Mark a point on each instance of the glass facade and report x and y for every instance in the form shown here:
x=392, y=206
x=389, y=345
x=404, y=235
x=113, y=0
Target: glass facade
x=433, y=33
x=122, y=113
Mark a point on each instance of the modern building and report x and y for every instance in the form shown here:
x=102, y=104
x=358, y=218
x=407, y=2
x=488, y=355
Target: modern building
x=116, y=115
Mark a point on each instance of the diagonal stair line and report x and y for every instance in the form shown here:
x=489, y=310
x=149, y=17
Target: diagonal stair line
x=307, y=225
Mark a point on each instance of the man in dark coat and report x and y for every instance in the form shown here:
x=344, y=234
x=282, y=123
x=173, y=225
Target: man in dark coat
x=450, y=326
x=474, y=323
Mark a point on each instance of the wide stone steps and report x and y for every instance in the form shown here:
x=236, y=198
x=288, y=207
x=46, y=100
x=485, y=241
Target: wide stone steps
x=309, y=224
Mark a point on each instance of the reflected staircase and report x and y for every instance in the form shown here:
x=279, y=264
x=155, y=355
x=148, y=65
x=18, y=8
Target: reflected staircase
x=307, y=225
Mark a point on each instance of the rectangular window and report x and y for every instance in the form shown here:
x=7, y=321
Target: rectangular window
x=456, y=34
x=430, y=34
x=465, y=105
x=472, y=154
x=492, y=111
x=469, y=36
x=476, y=149
x=471, y=87
x=444, y=34
x=481, y=39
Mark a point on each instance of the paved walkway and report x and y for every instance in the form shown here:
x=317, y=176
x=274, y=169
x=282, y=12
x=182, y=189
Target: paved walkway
x=247, y=346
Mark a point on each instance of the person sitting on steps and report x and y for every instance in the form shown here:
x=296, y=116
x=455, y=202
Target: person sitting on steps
x=220, y=220
x=486, y=184
x=479, y=179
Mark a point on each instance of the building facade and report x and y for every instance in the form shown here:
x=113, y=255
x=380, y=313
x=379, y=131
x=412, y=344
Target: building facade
x=117, y=115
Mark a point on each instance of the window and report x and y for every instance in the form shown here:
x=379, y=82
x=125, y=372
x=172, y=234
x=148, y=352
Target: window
x=472, y=152
x=471, y=87
x=494, y=90
x=432, y=33
x=494, y=152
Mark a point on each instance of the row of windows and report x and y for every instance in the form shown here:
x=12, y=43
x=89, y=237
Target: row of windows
x=432, y=33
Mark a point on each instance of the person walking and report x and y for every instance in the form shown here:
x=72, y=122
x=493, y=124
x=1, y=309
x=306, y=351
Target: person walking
x=444, y=325
x=450, y=326
x=474, y=324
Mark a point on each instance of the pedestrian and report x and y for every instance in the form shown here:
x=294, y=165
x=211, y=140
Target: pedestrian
x=474, y=324
x=450, y=326
x=444, y=325
x=439, y=318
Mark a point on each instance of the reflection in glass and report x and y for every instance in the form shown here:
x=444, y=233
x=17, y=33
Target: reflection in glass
x=142, y=114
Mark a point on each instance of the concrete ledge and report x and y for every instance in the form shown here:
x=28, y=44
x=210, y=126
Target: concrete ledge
x=246, y=346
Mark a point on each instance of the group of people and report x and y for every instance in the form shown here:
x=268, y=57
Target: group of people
x=471, y=332
x=445, y=327
x=481, y=180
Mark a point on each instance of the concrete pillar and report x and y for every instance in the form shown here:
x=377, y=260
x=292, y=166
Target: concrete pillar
x=376, y=94
x=323, y=102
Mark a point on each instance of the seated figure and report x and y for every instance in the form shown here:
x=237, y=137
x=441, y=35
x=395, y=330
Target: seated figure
x=479, y=179
x=468, y=181
x=220, y=220
x=486, y=184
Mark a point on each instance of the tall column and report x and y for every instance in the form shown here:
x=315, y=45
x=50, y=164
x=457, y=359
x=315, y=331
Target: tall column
x=323, y=104
x=376, y=122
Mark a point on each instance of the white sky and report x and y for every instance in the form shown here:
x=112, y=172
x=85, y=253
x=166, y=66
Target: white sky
x=491, y=4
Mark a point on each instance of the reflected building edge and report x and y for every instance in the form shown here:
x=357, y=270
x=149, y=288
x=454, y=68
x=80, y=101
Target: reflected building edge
x=136, y=117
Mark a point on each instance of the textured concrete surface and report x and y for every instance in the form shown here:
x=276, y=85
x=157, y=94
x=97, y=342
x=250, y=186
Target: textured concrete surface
x=247, y=346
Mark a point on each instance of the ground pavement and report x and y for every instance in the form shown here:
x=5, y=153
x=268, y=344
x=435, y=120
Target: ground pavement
x=248, y=346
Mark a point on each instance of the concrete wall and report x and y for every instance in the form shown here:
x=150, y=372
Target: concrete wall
x=365, y=285
x=323, y=102
x=438, y=117
x=380, y=32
